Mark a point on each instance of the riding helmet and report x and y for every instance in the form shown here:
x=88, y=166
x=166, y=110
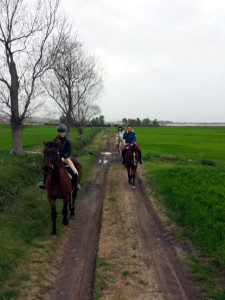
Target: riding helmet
x=61, y=128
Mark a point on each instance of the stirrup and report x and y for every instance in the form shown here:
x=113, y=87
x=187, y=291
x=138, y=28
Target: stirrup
x=78, y=186
x=41, y=185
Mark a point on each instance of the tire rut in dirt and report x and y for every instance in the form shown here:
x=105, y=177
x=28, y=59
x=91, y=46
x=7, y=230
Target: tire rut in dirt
x=158, y=248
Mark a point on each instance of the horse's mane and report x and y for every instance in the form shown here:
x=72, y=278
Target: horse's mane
x=51, y=145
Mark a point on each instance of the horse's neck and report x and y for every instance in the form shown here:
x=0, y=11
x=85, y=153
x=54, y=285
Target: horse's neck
x=133, y=156
x=121, y=140
x=58, y=167
x=58, y=175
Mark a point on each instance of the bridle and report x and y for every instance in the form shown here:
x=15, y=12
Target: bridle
x=53, y=163
x=134, y=159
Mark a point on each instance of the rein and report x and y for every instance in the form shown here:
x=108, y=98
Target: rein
x=55, y=165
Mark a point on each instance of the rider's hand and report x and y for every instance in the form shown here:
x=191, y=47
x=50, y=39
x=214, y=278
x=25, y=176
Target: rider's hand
x=62, y=159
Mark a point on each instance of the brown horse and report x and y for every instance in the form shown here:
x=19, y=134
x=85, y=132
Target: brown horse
x=58, y=183
x=131, y=163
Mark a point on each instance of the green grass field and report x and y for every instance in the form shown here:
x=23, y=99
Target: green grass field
x=25, y=217
x=33, y=136
x=185, y=142
x=186, y=169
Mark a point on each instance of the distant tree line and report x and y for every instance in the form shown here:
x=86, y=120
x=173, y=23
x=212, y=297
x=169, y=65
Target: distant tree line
x=97, y=121
x=140, y=123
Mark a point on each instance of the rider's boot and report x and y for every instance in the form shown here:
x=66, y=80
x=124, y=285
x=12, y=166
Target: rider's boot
x=41, y=184
x=140, y=160
x=75, y=182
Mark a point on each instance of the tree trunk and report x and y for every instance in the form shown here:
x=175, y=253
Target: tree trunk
x=17, y=148
x=68, y=131
x=80, y=130
x=16, y=122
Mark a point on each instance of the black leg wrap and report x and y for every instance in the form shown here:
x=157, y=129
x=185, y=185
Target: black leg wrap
x=65, y=219
x=54, y=216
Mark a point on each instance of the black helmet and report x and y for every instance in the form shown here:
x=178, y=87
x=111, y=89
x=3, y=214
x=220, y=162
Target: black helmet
x=61, y=128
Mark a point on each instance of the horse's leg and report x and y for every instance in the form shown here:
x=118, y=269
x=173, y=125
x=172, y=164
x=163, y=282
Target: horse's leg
x=65, y=211
x=74, y=196
x=54, y=217
x=70, y=203
x=129, y=175
x=133, y=179
x=134, y=172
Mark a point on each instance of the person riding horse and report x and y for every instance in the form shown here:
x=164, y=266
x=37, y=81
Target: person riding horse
x=130, y=138
x=64, y=151
x=119, y=134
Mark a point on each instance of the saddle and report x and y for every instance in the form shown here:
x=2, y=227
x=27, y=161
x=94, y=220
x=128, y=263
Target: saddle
x=73, y=177
x=69, y=171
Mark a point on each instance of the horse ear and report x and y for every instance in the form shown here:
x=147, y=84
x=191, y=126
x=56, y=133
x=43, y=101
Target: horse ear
x=58, y=142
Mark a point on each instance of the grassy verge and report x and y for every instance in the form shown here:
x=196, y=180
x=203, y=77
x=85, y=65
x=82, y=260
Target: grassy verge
x=185, y=168
x=25, y=220
x=194, y=197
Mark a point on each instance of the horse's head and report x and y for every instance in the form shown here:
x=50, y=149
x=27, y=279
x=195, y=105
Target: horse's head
x=133, y=154
x=51, y=156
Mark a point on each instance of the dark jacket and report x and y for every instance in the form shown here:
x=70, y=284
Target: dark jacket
x=65, y=146
x=130, y=138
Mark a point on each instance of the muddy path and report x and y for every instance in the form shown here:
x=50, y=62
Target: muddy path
x=119, y=225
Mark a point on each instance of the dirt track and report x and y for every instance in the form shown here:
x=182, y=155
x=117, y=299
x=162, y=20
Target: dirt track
x=129, y=225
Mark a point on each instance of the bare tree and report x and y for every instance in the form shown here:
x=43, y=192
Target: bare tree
x=25, y=32
x=83, y=114
x=74, y=82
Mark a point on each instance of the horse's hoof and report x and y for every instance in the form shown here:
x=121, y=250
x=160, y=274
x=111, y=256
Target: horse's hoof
x=53, y=236
x=134, y=187
x=72, y=212
x=65, y=222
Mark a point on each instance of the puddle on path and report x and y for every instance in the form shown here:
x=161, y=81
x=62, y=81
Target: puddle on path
x=104, y=161
x=106, y=153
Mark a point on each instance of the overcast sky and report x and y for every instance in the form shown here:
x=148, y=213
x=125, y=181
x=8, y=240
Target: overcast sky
x=164, y=59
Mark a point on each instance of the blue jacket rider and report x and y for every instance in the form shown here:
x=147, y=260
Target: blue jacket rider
x=129, y=137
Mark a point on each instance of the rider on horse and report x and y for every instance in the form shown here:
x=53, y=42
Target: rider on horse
x=64, y=151
x=130, y=138
x=120, y=132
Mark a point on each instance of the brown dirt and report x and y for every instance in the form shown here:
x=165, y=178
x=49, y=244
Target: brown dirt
x=140, y=254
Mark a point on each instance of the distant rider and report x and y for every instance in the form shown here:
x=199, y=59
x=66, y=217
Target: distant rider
x=120, y=132
x=130, y=138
